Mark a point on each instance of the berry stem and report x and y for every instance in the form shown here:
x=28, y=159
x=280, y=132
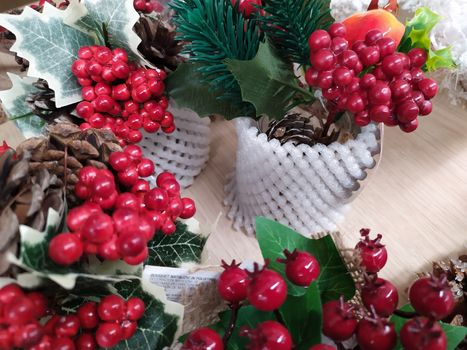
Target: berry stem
x=278, y=317
x=405, y=314
x=232, y=322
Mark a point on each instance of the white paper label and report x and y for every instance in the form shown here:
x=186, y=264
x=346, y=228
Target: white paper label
x=175, y=280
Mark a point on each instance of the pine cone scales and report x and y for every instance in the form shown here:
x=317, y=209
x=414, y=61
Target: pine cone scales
x=158, y=44
x=25, y=199
x=66, y=149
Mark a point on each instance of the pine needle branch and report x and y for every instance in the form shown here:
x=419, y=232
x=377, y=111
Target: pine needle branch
x=289, y=23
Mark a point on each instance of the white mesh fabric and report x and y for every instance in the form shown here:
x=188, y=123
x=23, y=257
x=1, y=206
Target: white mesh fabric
x=306, y=188
x=185, y=152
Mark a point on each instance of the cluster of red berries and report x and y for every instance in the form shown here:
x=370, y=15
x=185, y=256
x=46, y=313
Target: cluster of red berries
x=94, y=325
x=119, y=96
x=393, y=90
x=147, y=6
x=118, y=225
x=266, y=290
x=431, y=298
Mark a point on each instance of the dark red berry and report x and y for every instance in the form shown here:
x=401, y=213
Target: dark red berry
x=339, y=322
x=372, y=252
x=267, y=290
x=270, y=335
x=301, y=268
x=432, y=297
x=233, y=283
x=380, y=294
x=203, y=339
x=423, y=333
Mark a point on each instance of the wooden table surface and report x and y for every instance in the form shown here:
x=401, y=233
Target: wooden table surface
x=417, y=198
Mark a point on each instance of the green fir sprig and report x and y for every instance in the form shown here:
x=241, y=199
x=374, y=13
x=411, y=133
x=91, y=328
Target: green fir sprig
x=289, y=23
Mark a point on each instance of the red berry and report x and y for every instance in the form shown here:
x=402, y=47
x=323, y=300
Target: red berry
x=111, y=308
x=301, y=268
x=65, y=249
x=108, y=335
x=203, y=339
x=233, y=283
x=380, y=294
x=134, y=309
x=376, y=334
x=28, y=335
x=86, y=341
x=67, y=326
x=131, y=243
x=423, y=333
x=87, y=315
x=270, y=335
x=267, y=290
x=157, y=199
x=128, y=329
x=319, y=39
x=339, y=321
x=432, y=296
x=119, y=161
x=372, y=252
x=19, y=311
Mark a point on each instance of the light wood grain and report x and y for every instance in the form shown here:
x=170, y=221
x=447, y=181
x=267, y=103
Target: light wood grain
x=417, y=198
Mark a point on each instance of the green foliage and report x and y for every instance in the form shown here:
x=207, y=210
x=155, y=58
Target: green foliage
x=289, y=24
x=266, y=82
x=188, y=89
x=454, y=334
x=417, y=34
x=216, y=31
x=334, y=279
x=177, y=248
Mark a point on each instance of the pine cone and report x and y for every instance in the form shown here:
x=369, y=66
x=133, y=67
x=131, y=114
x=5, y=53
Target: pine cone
x=158, y=44
x=43, y=104
x=25, y=199
x=66, y=145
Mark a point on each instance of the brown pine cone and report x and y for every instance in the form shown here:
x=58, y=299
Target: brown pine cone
x=67, y=146
x=25, y=199
x=158, y=44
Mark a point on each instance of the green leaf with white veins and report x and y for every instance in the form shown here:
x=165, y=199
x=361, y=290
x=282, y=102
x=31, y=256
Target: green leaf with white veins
x=17, y=109
x=118, y=17
x=50, y=46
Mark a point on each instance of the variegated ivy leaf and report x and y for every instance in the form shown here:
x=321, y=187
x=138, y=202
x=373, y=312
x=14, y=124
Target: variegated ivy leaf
x=114, y=18
x=50, y=46
x=35, y=259
x=17, y=109
x=173, y=250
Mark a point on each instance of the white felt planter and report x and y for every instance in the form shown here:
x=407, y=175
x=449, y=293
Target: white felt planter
x=306, y=188
x=185, y=152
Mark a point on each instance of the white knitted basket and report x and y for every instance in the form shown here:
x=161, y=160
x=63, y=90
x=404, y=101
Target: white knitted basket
x=306, y=188
x=185, y=152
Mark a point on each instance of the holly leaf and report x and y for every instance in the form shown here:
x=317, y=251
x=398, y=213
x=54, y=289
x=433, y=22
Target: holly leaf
x=454, y=334
x=303, y=316
x=266, y=82
x=109, y=19
x=334, y=279
x=180, y=247
x=162, y=318
x=17, y=109
x=188, y=89
x=50, y=46
x=417, y=34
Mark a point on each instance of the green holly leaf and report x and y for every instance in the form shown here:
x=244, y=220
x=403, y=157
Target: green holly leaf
x=266, y=82
x=417, y=34
x=17, y=109
x=303, y=316
x=180, y=247
x=50, y=46
x=112, y=19
x=454, y=334
x=334, y=279
x=161, y=322
x=188, y=89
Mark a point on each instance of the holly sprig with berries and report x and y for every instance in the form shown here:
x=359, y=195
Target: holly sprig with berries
x=303, y=297
x=272, y=56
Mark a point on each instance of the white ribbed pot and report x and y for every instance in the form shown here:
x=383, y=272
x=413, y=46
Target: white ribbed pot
x=185, y=152
x=304, y=187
